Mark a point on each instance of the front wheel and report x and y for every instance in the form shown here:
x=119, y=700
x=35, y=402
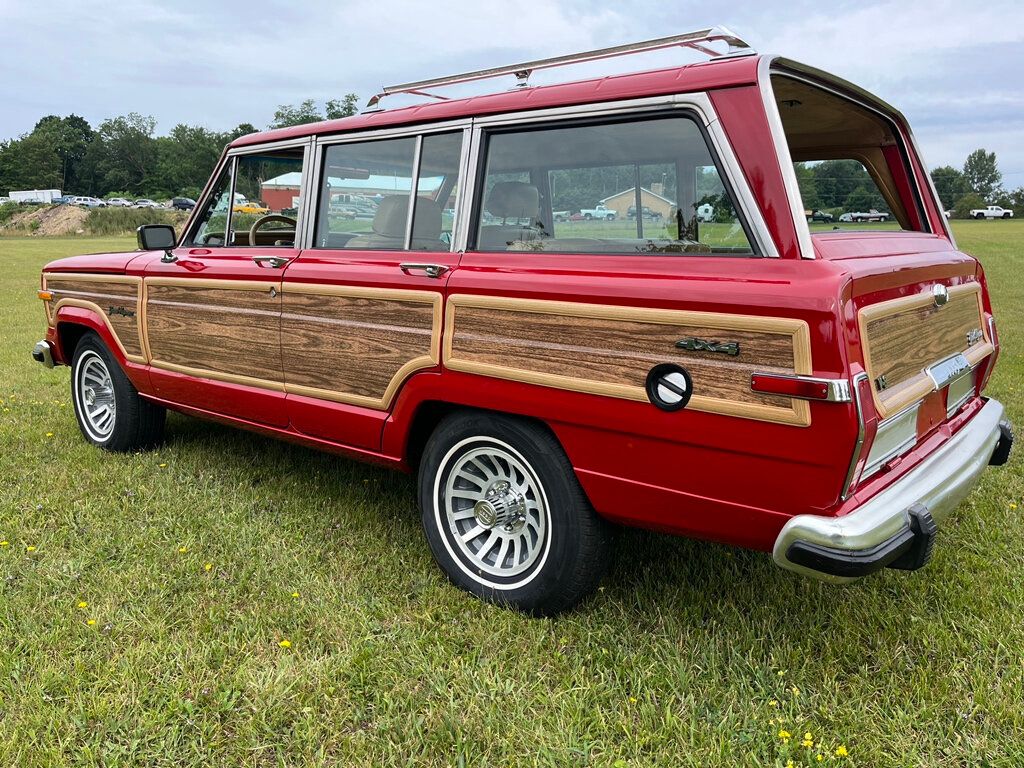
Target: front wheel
x=1006, y=215
x=505, y=516
x=110, y=412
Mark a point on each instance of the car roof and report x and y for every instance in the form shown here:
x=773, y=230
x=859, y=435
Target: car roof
x=700, y=76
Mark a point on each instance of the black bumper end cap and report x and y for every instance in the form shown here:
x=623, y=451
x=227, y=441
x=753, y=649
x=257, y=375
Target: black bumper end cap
x=1001, y=454
x=908, y=549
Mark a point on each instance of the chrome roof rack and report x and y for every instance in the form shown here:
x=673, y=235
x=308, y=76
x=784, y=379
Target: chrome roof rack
x=697, y=40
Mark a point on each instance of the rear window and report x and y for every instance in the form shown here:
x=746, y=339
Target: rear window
x=850, y=161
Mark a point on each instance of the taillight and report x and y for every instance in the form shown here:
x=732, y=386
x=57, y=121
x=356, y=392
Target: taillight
x=803, y=387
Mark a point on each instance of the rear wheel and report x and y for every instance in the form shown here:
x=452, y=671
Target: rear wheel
x=980, y=216
x=610, y=217
x=506, y=518
x=110, y=412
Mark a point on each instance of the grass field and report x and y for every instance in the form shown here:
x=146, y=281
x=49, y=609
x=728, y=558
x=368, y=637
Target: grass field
x=145, y=601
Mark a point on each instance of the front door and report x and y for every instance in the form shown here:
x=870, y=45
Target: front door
x=361, y=309
x=213, y=306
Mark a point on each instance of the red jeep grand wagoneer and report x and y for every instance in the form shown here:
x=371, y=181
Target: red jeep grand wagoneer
x=430, y=288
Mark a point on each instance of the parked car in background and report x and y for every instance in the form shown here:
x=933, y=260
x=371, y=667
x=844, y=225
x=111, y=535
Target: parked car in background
x=119, y=202
x=599, y=211
x=183, y=203
x=145, y=202
x=561, y=215
x=861, y=216
x=5, y=200
x=648, y=214
x=818, y=395
x=823, y=216
x=87, y=202
x=991, y=212
x=251, y=206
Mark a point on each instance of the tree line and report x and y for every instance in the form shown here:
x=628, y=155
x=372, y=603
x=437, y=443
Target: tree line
x=124, y=156
x=845, y=185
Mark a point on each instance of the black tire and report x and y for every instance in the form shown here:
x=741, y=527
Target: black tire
x=587, y=216
x=980, y=216
x=610, y=217
x=132, y=422
x=1006, y=215
x=560, y=550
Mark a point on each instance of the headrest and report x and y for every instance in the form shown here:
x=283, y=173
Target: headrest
x=513, y=200
x=393, y=214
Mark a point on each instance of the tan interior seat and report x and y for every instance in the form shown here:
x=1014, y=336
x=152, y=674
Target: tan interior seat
x=389, y=226
x=515, y=200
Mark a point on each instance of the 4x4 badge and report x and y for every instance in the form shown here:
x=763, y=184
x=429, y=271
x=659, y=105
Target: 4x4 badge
x=731, y=348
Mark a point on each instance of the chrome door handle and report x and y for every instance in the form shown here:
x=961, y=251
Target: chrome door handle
x=431, y=270
x=274, y=261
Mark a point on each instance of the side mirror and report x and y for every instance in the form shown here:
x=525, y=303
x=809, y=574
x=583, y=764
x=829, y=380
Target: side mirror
x=156, y=237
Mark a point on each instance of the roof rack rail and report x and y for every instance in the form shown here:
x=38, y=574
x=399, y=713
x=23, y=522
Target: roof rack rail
x=697, y=40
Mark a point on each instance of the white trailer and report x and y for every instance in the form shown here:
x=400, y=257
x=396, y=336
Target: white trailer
x=34, y=195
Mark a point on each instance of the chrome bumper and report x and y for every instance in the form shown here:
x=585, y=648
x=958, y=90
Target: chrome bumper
x=43, y=353
x=891, y=519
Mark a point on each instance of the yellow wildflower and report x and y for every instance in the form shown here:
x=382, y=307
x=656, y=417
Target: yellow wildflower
x=820, y=757
x=30, y=548
x=285, y=643
x=632, y=699
x=208, y=567
x=162, y=465
x=83, y=604
x=795, y=690
x=49, y=434
x=182, y=550
x=773, y=703
x=785, y=736
x=5, y=543
x=91, y=622
x=1013, y=505
x=789, y=764
x=841, y=751
x=295, y=595
x=808, y=740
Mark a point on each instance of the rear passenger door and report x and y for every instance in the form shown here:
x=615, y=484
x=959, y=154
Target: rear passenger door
x=362, y=307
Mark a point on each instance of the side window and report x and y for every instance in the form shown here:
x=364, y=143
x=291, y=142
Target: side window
x=638, y=186
x=266, y=199
x=366, y=188
x=212, y=223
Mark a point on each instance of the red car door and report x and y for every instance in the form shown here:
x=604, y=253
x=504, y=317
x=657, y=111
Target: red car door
x=213, y=305
x=361, y=309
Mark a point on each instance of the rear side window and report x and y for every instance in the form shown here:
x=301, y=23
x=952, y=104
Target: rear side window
x=850, y=161
x=366, y=189
x=639, y=186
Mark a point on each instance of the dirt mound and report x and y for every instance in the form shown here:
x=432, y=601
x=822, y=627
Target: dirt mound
x=49, y=220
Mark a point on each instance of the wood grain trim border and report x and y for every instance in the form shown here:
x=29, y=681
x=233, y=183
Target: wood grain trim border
x=922, y=388
x=381, y=294
x=53, y=308
x=799, y=414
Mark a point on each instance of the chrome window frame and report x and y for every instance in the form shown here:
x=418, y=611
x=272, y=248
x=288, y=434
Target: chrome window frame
x=229, y=159
x=697, y=104
x=320, y=143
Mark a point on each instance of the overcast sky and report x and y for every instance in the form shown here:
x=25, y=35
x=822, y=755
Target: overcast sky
x=954, y=68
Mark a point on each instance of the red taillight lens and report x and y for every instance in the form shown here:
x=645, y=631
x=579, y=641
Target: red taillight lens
x=790, y=386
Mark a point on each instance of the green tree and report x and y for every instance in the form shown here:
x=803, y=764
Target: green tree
x=950, y=184
x=962, y=209
x=347, y=106
x=982, y=174
x=808, y=184
x=184, y=158
x=123, y=154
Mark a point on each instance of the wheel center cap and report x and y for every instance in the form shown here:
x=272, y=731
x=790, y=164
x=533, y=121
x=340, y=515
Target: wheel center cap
x=89, y=396
x=501, y=506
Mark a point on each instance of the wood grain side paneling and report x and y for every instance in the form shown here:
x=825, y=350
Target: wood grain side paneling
x=228, y=330
x=904, y=336
x=356, y=345
x=115, y=298
x=608, y=350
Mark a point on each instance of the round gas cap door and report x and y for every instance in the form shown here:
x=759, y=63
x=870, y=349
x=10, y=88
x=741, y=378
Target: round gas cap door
x=669, y=386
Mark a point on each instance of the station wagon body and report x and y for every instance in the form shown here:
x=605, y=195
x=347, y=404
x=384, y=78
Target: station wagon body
x=814, y=394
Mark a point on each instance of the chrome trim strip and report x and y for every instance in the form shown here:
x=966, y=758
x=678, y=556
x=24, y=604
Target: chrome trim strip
x=394, y=132
x=414, y=184
x=944, y=371
x=467, y=188
x=859, y=408
x=796, y=205
x=940, y=483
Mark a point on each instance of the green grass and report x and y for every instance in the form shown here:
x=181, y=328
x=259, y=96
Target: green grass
x=674, y=662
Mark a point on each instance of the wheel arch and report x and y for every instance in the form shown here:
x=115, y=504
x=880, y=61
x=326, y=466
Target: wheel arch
x=72, y=323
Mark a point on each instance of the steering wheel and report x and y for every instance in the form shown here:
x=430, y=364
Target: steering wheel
x=266, y=220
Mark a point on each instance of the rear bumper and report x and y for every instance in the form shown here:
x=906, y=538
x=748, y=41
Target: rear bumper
x=897, y=526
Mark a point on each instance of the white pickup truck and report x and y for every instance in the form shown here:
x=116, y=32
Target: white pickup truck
x=598, y=212
x=991, y=212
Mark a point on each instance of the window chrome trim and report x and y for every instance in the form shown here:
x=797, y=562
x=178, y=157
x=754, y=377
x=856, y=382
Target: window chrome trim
x=394, y=132
x=414, y=184
x=466, y=185
x=192, y=222
x=785, y=160
x=696, y=104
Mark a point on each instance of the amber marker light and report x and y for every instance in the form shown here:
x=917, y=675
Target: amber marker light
x=46, y=295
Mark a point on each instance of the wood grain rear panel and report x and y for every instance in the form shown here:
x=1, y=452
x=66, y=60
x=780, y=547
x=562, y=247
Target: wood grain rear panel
x=115, y=298
x=904, y=336
x=608, y=350
x=356, y=345
x=228, y=330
